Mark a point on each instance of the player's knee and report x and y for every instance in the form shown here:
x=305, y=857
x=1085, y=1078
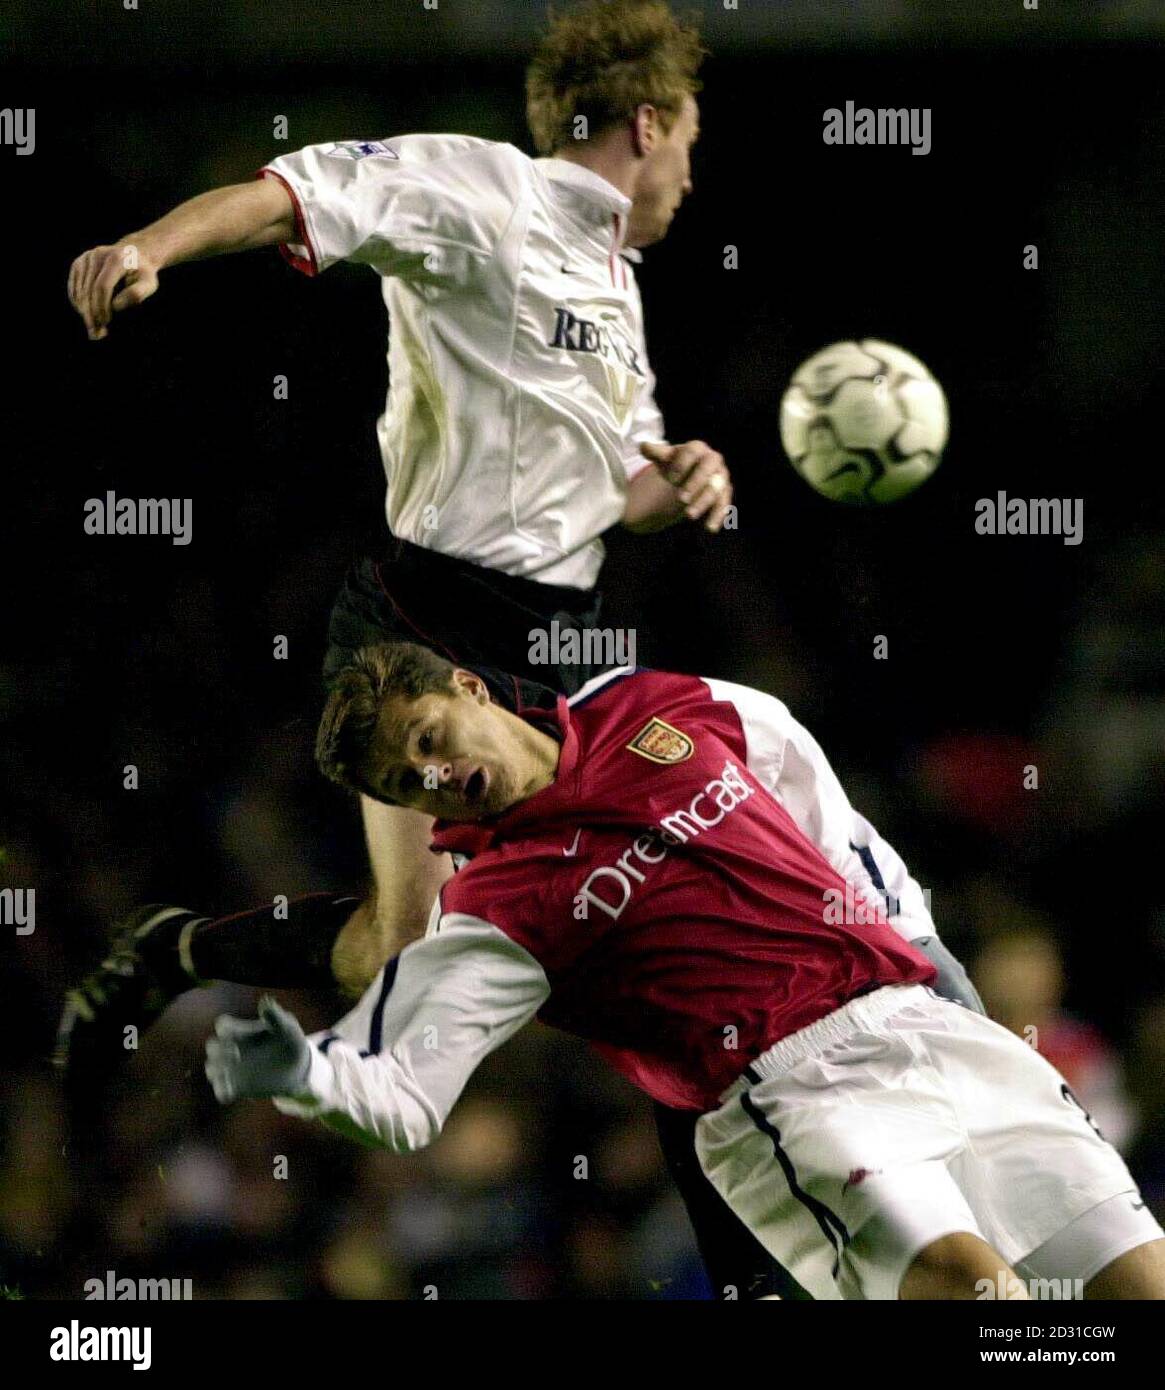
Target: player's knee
x=358, y=952
x=960, y=1266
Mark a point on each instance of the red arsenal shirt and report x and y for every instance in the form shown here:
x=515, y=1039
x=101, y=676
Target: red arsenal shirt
x=679, y=910
x=692, y=887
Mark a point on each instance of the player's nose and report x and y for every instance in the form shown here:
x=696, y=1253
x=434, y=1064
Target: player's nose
x=426, y=766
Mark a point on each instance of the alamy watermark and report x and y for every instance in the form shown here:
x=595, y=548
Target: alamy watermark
x=18, y=128
x=113, y=1289
x=859, y=125
x=18, y=909
x=140, y=516
x=77, y=1343
x=855, y=906
x=1038, y=516
x=1003, y=1286
x=581, y=646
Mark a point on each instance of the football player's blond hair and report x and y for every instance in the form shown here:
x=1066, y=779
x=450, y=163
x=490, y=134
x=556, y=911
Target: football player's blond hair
x=602, y=60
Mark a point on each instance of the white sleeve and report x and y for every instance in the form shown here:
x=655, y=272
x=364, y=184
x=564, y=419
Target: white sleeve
x=647, y=426
x=416, y=207
x=391, y=1071
x=788, y=761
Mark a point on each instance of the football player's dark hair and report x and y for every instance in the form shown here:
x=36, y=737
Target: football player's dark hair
x=355, y=699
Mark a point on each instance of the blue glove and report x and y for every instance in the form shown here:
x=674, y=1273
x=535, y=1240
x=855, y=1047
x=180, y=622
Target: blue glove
x=258, y=1058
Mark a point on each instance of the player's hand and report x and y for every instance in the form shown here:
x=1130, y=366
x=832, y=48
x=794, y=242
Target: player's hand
x=94, y=278
x=258, y=1058
x=700, y=477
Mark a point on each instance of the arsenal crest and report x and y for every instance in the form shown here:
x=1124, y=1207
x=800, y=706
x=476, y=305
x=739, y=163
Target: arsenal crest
x=660, y=743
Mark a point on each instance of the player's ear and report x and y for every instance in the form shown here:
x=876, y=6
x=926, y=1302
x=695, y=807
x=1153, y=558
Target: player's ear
x=467, y=683
x=644, y=128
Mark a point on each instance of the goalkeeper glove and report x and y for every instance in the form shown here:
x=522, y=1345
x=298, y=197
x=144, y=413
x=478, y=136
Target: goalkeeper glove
x=258, y=1058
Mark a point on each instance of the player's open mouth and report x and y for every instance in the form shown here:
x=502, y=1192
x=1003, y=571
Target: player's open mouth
x=476, y=785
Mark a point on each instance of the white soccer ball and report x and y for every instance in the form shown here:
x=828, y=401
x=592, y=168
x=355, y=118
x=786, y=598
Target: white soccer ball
x=864, y=422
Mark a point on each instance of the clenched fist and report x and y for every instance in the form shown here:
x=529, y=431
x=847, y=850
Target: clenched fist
x=94, y=278
x=700, y=477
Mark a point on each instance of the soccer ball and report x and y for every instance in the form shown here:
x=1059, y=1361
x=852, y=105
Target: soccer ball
x=864, y=422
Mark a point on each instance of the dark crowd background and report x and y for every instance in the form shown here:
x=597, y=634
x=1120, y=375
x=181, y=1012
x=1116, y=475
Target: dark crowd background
x=1003, y=652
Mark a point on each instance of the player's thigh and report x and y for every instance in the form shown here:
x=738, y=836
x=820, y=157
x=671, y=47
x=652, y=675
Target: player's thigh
x=1139, y=1273
x=960, y=1266
x=919, y=1238
x=358, y=952
x=739, y=1162
x=834, y=1234
x=840, y=1163
x=407, y=876
x=1035, y=1162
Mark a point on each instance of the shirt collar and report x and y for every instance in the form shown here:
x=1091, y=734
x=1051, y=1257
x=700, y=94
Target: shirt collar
x=473, y=837
x=588, y=186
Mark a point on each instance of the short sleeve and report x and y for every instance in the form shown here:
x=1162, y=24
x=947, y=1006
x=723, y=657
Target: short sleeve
x=647, y=426
x=411, y=207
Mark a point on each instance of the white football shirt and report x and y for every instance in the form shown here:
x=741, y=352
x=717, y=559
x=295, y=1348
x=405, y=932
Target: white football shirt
x=519, y=386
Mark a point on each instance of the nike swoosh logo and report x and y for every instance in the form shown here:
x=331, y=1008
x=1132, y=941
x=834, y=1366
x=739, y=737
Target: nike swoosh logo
x=573, y=850
x=570, y=269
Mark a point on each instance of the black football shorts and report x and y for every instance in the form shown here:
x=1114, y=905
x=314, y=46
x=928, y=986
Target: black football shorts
x=478, y=618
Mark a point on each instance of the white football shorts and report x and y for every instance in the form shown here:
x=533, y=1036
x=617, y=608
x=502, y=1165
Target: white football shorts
x=899, y=1118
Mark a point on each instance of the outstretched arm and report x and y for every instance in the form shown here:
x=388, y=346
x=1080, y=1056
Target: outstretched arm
x=391, y=1071
x=109, y=279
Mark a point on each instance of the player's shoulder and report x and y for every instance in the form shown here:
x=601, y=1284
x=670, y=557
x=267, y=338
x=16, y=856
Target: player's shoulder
x=469, y=153
x=632, y=686
x=426, y=152
x=658, y=711
x=612, y=708
x=427, y=146
x=745, y=698
x=626, y=684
